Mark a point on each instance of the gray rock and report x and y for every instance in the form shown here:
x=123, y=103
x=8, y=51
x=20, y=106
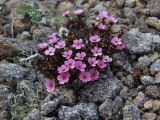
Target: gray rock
x=147, y=80
x=86, y=111
x=153, y=91
x=155, y=66
x=111, y=109
x=130, y=81
x=139, y=100
x=13, y=74
x=139, y=43
x=66, y=96
x=116, y=28
x=36, y=115
x=29, y=88
x=106, y=109
x=5, y=102
x=131, y=112
x=10, y=47
x=120, y=3
x=2, y=2
x=68, y=113
x=128, y=67
x=149, y=116
x=130, y=3
x=100, y=90
x=143, y=62
x=49, y=107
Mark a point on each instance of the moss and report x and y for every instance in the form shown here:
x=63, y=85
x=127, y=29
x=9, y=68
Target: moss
x=34, y=14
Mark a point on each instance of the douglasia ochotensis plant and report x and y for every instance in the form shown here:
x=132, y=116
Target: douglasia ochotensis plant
x=81, y=53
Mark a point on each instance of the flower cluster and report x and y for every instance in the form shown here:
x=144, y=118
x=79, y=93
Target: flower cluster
x=81, y=54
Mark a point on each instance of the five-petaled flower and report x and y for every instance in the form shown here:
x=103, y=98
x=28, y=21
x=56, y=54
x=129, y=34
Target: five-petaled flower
x=103, y=14
x=67, y=54
x=70, y=63
x=94, y=74
x=50, y=51
x=78, y=44
x=96, y=51
x=50, y=85
x=85, y=76
x=92, y=61
x=61, y=44
x=94, y=38
x=80, y=65
x=63, y=68
x=116, y=41
x=80, y=55
x=63, y=77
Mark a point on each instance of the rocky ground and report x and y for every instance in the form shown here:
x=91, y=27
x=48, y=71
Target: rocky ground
x=129, y=89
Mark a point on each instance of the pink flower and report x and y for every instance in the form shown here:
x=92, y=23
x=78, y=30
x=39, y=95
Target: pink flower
x=63, y=68
x=60, y=44
x=50, y=85
x=101, y=64
x=116, y=41
x=50, y=51
x=43, y=45
x=67, y=54
x=85, y=76
x=103, y=14
x=122, y=46
x=70, y=63
x=94, y=74
x=66, y=13
x=78, y=12
x=96, y=51
x=92, y=61
x=112, y=19
x=106, y=58
x=53, y=40
x=80, y=65
x=78, y=44
x=101, y=26
x=63, y=77
x=53, y=35
x=94, y=38
x=80, y=55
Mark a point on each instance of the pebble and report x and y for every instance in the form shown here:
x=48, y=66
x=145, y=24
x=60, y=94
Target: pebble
x=149, y=116
x=155, y=66
x=152, y=91
x=147, y=80
x=157, y=77
x=148, y=104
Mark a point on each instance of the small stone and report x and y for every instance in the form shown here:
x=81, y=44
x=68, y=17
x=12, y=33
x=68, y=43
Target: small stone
x=143, y=62
x=139, y=100
x=124, y=92
x=131, y=112
x=147, y=80
x=105, y=109
x=155, y=67
x=156, y=105
x=19, y=25
x=13, y=74
x=49, y=107
x=130, y=3
x=157, y=77
x=2, y=2
x=66, y=5
x=153, y=56
x=148, y=104
x=33, y=115
x=153, y=22
x=82, y=111
x=116, y=28
x=66, y=96
x=24, y=36
x=130, y=81
x=149, y=116
x=100, y=90
x=153, y=91
x=120, y=3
